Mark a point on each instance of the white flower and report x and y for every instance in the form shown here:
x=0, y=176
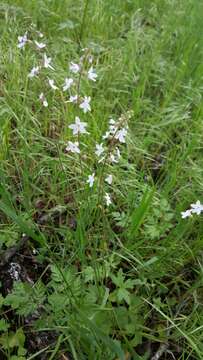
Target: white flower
x=75, y=68
x=22, y=40
x=112, y=127
x=109, y=179
x=108, y=199
x=68, y=83
x=40, y=34
x=91, y=179
x=197, y=208
x=115, y=158
x=106, y=135
x=90, y=59
x=73, y=147
x=91, y=74
x=121, y=134
x=85, y=105
x=185, y=214
x=40, y=45
x=43, y=100
x=47, y=61
x=111, y=131
x=78, y=127
x=82, y=59
x=73, y=98
x=51, y=83
x=34, y=72
x=99, y=149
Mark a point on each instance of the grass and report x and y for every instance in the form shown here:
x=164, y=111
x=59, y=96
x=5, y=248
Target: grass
x=102, y=282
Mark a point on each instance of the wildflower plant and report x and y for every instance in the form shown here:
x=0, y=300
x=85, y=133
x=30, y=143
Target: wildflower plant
x=80, y=76
x=99, y=152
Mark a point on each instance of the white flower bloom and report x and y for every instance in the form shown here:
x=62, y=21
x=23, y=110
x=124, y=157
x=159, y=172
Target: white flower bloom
x=82, y=59
x=51, y=83
x=34, y=72
x=40, y=45
x=185, y=214
x=75, y=68
x=112, y=129
x=91, y=180
x=99, y=149
x=40, y=34
x=106, y=135
x=111, y=121
x=68, y=83
x=91, y=74
x=47, y=61
x=78, y=127
x=43, y=100
x=73, y=147
x=121, y=134
x=108, y=199
x=85, y=105
x=197, y=208
x=90, y=59
x=109, y=179
x=73, y=98
x=22, y=40
x=115, y=158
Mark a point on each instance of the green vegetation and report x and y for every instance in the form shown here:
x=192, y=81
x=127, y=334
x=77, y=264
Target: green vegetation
x=109, y=271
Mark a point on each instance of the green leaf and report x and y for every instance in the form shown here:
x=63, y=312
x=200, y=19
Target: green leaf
x=89, y=274
x=25, y=299
x=123, y=294
x=119, y=279
x=4, y=326
x=58, y=301
x=137, y=217
x=121, y=316
x=91, y=295
x=130, y=283
x=1, y=300
x=7, y=207
x=16, y=339
x=56, y=274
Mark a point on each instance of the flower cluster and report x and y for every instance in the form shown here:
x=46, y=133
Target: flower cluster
x=114, y=136
x=196, y=208
x=106, y=151
x=110, y=152
x=115, y=131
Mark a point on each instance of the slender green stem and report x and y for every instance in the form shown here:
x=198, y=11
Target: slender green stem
x=83, y=23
